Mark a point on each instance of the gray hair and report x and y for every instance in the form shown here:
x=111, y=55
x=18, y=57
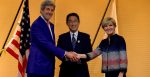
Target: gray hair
x=47, y=3
x=108, y=21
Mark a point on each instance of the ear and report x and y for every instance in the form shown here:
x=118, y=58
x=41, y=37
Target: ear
x=40, y=11
x=79, y=22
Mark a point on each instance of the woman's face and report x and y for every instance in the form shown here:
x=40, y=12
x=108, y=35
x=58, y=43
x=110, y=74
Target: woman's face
x=109, y=29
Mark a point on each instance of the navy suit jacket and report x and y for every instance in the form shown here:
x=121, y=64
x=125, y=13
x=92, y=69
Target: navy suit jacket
x=43, y=49
x=83, y=45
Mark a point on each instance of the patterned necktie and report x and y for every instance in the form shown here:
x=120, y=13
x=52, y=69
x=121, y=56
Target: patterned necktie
x=74, y=44
x=73, y=41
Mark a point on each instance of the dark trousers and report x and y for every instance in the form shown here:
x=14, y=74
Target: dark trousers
x=74, y=71
x=36, y=75
x=113, y=74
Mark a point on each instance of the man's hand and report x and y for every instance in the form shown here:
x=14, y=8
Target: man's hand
x=120, y=74
x=72, y=56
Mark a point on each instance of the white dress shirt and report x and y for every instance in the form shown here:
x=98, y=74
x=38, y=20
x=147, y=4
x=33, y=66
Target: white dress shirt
x=75, y=35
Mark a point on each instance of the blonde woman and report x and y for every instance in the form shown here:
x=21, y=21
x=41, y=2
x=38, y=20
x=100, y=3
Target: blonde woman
x=113, y=51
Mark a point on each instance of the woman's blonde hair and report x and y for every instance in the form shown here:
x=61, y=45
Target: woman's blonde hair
x=108, y=21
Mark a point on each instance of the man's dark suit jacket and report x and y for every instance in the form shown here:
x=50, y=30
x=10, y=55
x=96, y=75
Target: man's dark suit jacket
x=43, y=50
x=83, y=45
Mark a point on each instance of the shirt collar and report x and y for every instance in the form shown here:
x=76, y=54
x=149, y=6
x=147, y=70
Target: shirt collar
x=44, y=19
x=75, y=33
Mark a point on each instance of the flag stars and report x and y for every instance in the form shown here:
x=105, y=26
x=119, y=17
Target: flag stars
x=24, y=6
x=20, y=41
x=24, y=45
x=27, y=22
x=27, y=35
x=26, y=41
x=23, y=41
x=22, y=29
x=22, y=23
x=21, y=35
x=23, y=18
x=20, y=47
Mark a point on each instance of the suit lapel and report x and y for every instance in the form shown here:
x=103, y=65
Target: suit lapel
x=53, y=34
x=69, y=40
x=46, y=28
x=78, y=39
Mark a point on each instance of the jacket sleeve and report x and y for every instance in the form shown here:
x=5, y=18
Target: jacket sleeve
x=123, y=55
x=60, y=42
x=88, y=46
x=60, y=45
x=94, y=53
x=41, y=40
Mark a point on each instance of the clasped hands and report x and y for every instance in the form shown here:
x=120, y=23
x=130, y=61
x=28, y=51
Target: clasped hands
x=73, y=56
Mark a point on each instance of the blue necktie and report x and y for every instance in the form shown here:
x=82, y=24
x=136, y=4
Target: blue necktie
x=73, y=41
x=74, y=44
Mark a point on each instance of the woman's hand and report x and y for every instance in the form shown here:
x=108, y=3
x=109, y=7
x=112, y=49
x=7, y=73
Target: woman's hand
x=81, y=56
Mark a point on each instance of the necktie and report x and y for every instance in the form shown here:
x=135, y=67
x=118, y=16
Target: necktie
x=73, y=41
x=74, y=44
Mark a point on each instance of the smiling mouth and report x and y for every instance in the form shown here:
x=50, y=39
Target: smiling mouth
x=73, y=26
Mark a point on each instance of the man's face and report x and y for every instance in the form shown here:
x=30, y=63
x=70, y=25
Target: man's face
x=47, y=12
x=73, y=23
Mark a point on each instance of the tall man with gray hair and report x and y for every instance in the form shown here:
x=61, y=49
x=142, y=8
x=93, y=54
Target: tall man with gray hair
x=41, y=61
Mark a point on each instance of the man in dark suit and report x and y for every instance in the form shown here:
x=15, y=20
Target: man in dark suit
x=78, y=42
x=41, y=61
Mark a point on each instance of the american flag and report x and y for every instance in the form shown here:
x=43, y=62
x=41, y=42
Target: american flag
x=19, y=45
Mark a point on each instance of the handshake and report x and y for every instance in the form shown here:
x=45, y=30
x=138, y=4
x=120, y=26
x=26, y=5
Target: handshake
x=73, y=56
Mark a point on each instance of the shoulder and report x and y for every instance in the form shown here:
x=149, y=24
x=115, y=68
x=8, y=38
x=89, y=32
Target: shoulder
x=84, y=34
x=64, y=35
x=37, y=21
x=119, y=37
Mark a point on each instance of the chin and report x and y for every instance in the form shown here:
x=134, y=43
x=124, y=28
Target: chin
x=109, y=33
x=74, y=30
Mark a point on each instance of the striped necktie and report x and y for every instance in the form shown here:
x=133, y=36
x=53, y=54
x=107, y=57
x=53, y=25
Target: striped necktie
x=73, y=41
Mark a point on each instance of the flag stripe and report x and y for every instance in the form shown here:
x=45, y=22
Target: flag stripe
x=19, y=45
x=9, y=50
x=14, y=48
x=20, y=69
x=18, y=33
x=24, y=63
x=15, y=43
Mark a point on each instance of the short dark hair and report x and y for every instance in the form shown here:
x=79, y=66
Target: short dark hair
x=72, y=14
